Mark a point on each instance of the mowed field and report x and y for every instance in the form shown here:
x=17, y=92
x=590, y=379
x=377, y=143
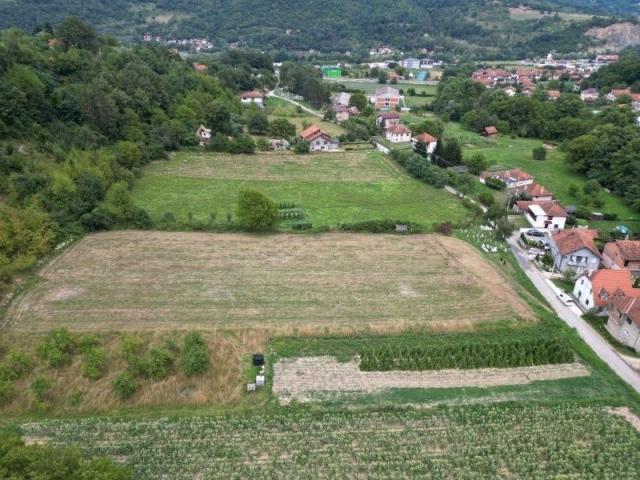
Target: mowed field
x=331, y=188
x=160, y=280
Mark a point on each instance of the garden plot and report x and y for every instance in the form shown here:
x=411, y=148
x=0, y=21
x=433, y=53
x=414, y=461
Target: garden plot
x=166, y=280
x=302, y=378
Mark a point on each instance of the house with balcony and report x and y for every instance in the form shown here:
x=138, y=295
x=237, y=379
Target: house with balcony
x=574, y=250
x=386, y=98
x=594, y=290
x=546, y=215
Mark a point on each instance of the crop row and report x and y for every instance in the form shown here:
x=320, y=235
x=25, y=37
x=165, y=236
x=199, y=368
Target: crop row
x=471, y=442
x=467, y=354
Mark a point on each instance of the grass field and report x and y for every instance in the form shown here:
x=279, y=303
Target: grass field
x=554, y=173
x=330, y=188
x=560, y=441
x=163, y=281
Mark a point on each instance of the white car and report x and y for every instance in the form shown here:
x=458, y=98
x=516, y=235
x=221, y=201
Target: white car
x=565, y=299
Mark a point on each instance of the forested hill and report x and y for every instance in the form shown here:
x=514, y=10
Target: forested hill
x=480, y=28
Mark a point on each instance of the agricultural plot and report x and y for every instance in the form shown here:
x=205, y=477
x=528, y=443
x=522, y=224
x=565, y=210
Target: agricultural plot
x=303, y=378
x=158, y=280
x=478, y=442
x=329, y=188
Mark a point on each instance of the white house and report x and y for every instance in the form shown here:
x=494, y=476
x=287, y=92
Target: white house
x=254, y=97
x=594, y=290
x=514, y=178
x=398, y=134
x=546, y=215
x=624, y=320
x=341, y=98
x=203, y=134
x=427, y=140
x=318, y=140
x=589, y=95
x=412, y=63
x=574, y=250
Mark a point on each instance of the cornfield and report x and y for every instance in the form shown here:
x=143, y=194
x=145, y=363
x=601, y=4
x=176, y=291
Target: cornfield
x=473, y=442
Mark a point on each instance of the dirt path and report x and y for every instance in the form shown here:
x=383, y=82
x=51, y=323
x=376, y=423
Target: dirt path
x=299, y=378
x=628, y=415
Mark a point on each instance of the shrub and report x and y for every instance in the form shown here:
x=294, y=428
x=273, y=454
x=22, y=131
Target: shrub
x=159, y=363
x=444, y=228
x=57, y=348
x=495, y=183
x=301, y=147
x=41, y=388
x=124, y=386
x=95, y=363
x=15, y=366
x=195, y=355
x=256, y=211
x=539, y=153
x=7, y=391
x=88, y=342
x=486, y=199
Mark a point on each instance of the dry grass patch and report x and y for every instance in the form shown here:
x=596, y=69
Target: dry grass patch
x=159, y=280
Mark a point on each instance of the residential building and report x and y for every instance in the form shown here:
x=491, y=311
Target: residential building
x=387, y=98
x=589, y=95
x=398, y=133
x=622, y=254
x=536, y=192
x=386, y=119
x=318, y=140
x=514, y=178
x=574, y=250
x=203, y=134
x=607, y=58
x=200, y=67
x=490, y=77
x=510, y=91
x=594, y=290
x=428, y=141
x=341, y=98
x=553, y=94
x=254, y=97
x=342, y=113
x=546, y=215
x=617, y=93
x=624, y=320
x=412, y=63
x=279, y=145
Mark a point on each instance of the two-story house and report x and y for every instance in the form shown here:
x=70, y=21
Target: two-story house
x=398, y=134
x=254, y=97
x=386, y=98
x=624, y=320
x=594, y=290
x=574, y=250
x=318, y=140
x=386, y=119
x=546, y=215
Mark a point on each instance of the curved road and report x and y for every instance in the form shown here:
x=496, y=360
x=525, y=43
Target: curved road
x=599, y=345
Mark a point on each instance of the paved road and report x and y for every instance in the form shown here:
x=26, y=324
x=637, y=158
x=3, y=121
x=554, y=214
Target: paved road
x=315, y=113
x=599, y=345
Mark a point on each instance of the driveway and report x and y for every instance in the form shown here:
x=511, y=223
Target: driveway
x=599, y=345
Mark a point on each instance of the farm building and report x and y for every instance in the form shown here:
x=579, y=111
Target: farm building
x=490, y=131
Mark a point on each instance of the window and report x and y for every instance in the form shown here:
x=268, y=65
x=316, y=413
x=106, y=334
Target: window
x=582, y=281
x=628, y=319
x=587, y=302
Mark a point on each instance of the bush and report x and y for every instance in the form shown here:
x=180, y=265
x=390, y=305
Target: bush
x=7, y=391
x=15, y=366
x=124, y=386
x=41, y=388
x=88, y=342
x=301, y=147
x=95, y=363
x=195, y=355
x=256, y=211
x=539, y=153
x=486, y=199
x=444, y=228
x=159, y=364
x=495, y=183
x=57, y=348
x=379, y=226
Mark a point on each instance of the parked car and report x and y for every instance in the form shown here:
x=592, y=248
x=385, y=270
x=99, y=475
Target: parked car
x=565, y=299
x=535, y=233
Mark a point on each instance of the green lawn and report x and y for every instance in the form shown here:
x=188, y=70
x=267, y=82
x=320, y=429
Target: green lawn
x=370, y=87
x=330, y=188
x=553, y=173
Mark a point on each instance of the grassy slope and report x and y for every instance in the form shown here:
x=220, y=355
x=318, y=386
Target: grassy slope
x=325, y=202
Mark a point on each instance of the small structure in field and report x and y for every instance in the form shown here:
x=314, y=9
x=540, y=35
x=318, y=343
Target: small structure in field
x=255, y=97
x=203, y=134
x=490, y=131
x=279, y=145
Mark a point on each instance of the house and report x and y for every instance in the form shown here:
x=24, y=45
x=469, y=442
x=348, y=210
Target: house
x=510, y=91
x=617, y=93
x=589, y=95
x=341, y=98
x=398, y=133
x=553, y=94
x=490, y=77
x=575, y=250
x=342, y=113
x=536, y=192
x=546, y=215
x=427, y=140
x=624, y=320
x=622, y=254
x=607, y=58
x=594, y=290
x=254, y=97
x=386, y=97
x=385, y=119
x=279, y=145
x=411, y=63
x=514, y=178
x=528, y=91
x=490, y=131
x=203, y=134
x=200, y=67
x=318, y=140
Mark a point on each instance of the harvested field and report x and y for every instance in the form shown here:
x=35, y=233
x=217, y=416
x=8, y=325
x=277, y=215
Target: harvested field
x=478, y=442
x=160, y=280
x=301, y=378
